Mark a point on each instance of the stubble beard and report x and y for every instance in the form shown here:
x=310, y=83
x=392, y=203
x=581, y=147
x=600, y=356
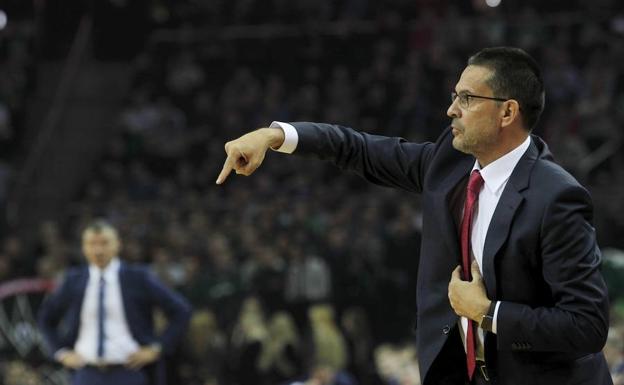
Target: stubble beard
x=464, y=144
x=475, y=144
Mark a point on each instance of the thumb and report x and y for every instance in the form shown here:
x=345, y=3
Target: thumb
x=456, y=273
x=476, y=273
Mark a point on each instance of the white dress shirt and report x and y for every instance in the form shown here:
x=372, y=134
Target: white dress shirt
x=118, y=342
x=495, y=176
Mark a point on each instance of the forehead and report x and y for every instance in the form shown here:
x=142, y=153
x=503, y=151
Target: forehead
x=103, y=234
x=474, y=80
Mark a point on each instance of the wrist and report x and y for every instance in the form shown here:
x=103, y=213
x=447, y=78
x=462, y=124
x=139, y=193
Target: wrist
x=486, y=307
x=274, y=137
x=480, y=310
x=487, y=319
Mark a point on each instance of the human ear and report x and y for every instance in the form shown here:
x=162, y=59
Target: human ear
x=510, y=112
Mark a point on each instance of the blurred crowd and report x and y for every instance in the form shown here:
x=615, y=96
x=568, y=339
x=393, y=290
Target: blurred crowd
x=17, y=81
x=303, y=274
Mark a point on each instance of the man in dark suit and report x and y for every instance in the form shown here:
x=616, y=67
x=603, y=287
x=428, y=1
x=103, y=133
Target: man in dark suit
x=509, y=289
x=99, y=322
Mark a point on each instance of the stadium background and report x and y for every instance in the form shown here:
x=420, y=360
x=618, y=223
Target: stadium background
x=120, y=109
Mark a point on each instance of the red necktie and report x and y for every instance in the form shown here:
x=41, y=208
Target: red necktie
x=472, y=196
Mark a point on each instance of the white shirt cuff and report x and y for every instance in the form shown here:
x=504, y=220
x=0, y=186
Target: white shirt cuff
x=291, y=138
x=495, y=317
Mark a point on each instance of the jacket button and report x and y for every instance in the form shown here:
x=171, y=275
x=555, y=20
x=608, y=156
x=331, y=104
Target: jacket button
x=446, y=329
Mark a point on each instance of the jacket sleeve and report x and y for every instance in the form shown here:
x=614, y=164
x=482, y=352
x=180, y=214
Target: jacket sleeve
x=176, y=308
x=51, y=311
x=579, y=319
x=385, y=161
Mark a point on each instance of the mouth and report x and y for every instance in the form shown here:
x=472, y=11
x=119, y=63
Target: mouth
x=455, y=130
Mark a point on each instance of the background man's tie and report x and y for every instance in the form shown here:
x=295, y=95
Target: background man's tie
x=101, y=318
x=472, y=196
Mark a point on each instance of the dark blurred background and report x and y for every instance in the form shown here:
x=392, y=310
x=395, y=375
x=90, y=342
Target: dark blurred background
x=120, y=109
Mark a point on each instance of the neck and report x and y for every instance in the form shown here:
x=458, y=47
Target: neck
x=503, y=149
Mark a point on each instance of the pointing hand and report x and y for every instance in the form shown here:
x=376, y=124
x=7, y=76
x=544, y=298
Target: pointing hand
x=245, y=154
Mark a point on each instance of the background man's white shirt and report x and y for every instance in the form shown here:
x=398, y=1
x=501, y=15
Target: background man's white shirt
x=118, y=342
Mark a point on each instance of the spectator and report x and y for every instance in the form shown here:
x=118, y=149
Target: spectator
x=281, y=357
x=328, y=344
x=248, y=336
x=204, y=351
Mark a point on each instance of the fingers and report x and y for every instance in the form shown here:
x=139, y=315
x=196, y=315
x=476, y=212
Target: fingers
x=73, y=360
x=80, y=365
x=244, y=165
x=465, y=296
x=245, y=154
x=474, y=269
x=239, y=161
x=135, y=361
x=141, y=358
x=228, y=166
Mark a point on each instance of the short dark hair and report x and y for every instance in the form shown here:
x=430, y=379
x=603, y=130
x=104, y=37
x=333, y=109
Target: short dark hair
x=516, y=75
x=99, y=225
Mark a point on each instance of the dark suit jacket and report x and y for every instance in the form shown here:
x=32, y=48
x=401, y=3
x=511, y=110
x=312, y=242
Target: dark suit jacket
x=540, y=257
x=59, y=314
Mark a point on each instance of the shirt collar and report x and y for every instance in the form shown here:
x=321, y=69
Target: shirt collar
x=498, y=172
x=109, y=272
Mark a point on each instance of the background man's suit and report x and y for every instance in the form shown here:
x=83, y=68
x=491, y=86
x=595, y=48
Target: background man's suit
x=540, y=258
x=142, y=293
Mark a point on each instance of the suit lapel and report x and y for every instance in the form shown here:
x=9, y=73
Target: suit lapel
x=128, y=286
x=79, y=291
x=497, y=234
x=81, y=288
x=81, y=284
x=123, y=287
x=505, y=211
x=448, y=201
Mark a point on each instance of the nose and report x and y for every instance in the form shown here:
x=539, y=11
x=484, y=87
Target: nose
x=98, y=249
x=454, y=111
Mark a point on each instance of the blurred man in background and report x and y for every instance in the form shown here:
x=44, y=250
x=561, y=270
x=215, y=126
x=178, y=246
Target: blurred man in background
x=99, y=322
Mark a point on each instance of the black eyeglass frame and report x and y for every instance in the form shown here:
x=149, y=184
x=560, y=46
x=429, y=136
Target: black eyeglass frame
x=455, y=95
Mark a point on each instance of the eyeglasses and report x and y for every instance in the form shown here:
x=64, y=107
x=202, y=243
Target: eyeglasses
x=464, y=99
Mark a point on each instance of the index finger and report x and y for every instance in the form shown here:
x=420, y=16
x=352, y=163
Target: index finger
x=228, y=166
